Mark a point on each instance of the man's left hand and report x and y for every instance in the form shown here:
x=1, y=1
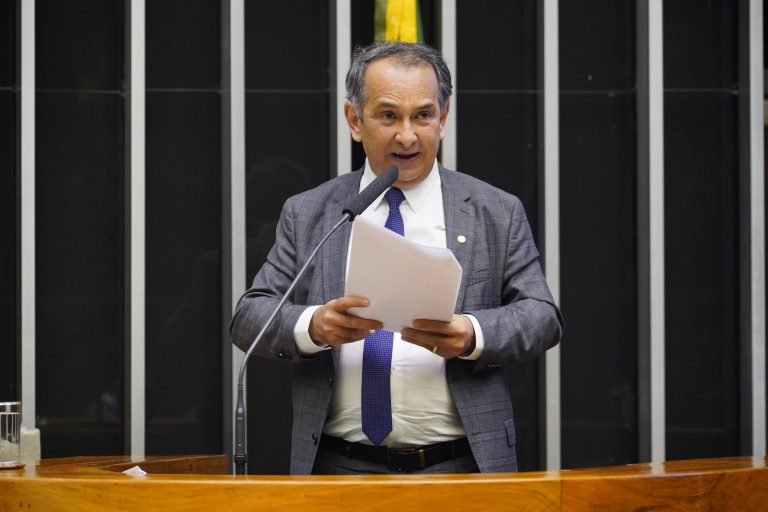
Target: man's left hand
x=446, y=339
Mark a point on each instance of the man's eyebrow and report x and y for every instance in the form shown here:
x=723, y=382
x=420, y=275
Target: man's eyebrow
x=386, y=104
x=426, y=106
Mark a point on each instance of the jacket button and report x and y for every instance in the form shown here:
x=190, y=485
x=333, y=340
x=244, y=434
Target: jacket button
x=314, y=438
x=330, y=382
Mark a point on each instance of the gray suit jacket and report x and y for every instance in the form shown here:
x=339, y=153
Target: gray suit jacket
x=502, y=286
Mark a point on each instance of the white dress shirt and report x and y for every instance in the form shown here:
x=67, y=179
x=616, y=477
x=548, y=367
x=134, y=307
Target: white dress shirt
x=423, y=412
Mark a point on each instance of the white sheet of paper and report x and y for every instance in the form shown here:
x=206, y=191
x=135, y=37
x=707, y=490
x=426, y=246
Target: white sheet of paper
x=403, y=280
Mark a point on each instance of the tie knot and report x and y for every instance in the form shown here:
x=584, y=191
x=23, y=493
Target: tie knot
x=394, y=197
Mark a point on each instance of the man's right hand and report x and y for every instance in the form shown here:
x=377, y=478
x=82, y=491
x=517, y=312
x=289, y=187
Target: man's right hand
x=332, y=325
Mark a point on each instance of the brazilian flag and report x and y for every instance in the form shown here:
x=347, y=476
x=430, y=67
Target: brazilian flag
x=397, y=20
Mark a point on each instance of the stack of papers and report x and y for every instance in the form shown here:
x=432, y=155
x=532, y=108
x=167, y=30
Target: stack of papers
x=403, y=280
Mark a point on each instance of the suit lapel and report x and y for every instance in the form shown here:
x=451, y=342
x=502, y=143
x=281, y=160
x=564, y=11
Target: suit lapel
x=334, y=253
x=459, y=226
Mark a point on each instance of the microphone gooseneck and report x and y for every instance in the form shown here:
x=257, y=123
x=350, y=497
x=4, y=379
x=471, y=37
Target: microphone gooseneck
x=354, y=208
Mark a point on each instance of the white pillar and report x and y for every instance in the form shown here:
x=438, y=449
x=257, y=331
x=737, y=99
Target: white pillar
x=138, y=231
x=27, y=200
x=551, y=76
x=757, y=226
x=448, y=49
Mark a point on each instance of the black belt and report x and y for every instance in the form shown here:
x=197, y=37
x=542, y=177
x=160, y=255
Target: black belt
x=404, y=459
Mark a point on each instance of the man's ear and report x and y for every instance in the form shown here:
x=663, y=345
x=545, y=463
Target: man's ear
x=443, y=118
x=353, y=120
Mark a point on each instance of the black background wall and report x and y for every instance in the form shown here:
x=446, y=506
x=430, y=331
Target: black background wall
x=80, y=226
x=184, y=226
x=598, y=229
x=9, y=207
x=702, y=221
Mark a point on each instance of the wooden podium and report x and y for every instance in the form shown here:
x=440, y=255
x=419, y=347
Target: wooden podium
x=193, y=483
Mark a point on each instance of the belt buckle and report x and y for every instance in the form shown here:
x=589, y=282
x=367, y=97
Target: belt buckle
x=405, y=452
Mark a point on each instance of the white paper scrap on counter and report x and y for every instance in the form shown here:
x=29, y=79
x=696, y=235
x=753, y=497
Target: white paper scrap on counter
x=403, y=280
x=135, y=471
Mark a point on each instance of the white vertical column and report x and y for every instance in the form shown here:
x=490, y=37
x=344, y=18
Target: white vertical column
x=448, y=49
x=237, y=170
x=138, y=231
x=650, y=222
x=27, y=199
x=757, y=226
x=656, y=228
x=343, y=59
x=551, y=73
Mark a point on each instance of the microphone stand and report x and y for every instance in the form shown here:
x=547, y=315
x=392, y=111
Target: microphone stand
x=240, y=457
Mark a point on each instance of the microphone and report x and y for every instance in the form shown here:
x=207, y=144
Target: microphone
x=363, y=200
x=355, y=207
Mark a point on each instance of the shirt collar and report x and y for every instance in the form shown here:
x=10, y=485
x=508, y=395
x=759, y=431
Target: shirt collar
x=416, y=196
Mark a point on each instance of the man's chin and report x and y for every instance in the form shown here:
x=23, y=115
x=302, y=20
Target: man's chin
x=409, y=179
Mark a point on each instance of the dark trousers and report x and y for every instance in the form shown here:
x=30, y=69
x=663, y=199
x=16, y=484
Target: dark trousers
x=330, y=463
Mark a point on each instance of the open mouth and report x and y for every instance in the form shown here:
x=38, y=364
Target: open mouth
x=405, y=157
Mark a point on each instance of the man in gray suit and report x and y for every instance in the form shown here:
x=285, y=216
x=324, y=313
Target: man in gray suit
x=446, y=397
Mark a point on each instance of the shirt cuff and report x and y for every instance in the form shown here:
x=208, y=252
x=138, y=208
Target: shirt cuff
x=304, y=343
x=479, y=340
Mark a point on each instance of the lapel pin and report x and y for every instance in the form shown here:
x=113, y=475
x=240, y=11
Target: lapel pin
x=461, y=239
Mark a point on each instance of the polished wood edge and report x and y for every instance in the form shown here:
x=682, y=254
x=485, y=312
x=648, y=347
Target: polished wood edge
x=217, y=467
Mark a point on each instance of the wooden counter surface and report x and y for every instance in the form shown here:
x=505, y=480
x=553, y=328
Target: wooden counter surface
x=192, y=483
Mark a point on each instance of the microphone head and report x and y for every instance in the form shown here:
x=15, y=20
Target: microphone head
x=390, y=175
x=363, y=200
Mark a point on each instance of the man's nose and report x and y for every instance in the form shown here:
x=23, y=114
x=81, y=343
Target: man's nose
x=406, y=134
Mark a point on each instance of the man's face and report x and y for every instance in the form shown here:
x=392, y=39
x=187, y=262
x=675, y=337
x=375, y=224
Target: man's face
x=401, y=123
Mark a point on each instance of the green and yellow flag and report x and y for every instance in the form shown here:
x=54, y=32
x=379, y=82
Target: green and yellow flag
x=397, y=20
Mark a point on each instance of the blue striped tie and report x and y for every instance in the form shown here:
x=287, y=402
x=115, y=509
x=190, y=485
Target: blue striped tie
x=376, y=401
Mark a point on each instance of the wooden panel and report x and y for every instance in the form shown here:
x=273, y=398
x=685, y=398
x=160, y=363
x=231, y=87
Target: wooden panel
x=196, y=483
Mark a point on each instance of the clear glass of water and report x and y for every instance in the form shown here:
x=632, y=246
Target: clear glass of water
x=10, y=435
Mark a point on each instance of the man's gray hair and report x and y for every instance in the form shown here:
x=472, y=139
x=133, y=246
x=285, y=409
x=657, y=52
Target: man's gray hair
x=405, y=54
